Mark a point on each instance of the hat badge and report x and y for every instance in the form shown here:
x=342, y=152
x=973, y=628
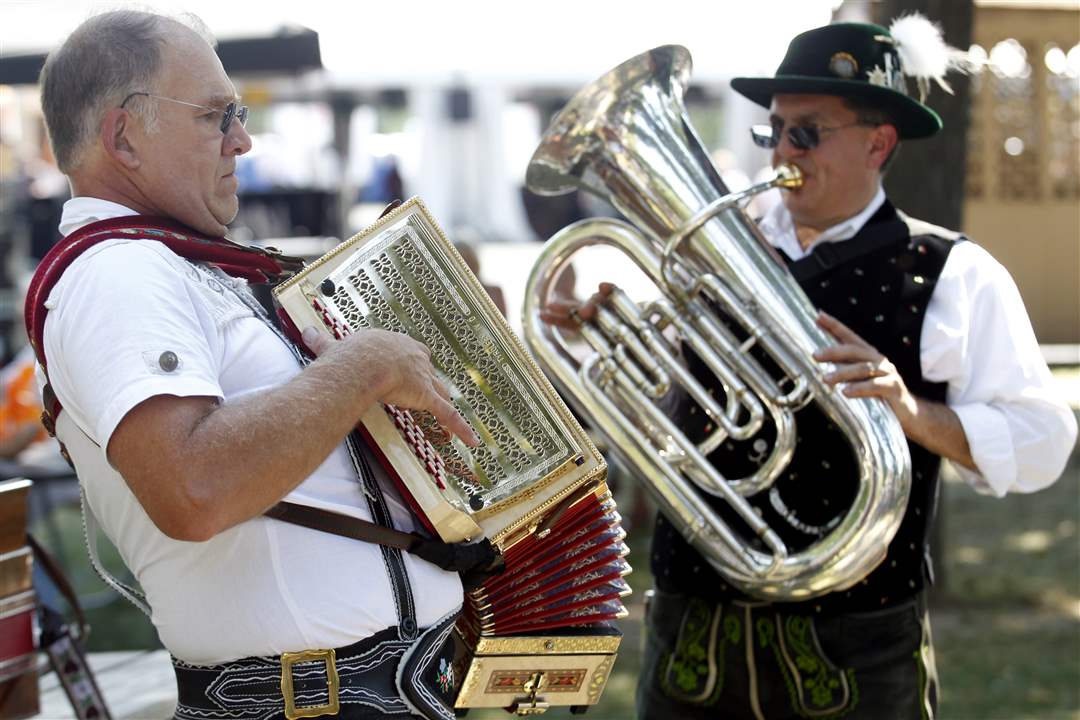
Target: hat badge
x=878, y=77
x=843, y=65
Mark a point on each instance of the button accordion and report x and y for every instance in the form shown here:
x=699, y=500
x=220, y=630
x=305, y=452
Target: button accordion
x=541, y=632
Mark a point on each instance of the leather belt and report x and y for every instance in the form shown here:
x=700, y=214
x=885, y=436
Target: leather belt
x=354, y=681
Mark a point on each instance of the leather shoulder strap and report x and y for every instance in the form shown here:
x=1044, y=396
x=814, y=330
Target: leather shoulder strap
x=475, y=561
x=254, y=264
x=344, y=525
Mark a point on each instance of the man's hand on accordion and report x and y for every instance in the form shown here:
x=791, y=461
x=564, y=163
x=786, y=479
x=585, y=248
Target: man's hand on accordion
x=398, y=368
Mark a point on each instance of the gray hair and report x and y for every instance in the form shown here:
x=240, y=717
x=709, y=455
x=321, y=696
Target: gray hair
x=106, y=59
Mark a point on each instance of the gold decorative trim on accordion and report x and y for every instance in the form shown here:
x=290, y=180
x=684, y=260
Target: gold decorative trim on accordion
x=534, y=486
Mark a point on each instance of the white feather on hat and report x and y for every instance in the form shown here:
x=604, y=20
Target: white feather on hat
x=924, y=54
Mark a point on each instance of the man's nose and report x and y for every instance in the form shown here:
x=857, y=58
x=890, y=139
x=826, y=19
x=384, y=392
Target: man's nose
x=236, y=140
x=785, y=149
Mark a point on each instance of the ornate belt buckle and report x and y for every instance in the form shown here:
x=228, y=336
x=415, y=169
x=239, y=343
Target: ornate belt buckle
x=287, y=661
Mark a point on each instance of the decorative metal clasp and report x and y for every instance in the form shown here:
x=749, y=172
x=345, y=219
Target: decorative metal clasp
x=537, y=681
x=287, y=661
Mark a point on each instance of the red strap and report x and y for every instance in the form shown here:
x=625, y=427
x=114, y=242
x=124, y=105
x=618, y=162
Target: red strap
x=253, y=264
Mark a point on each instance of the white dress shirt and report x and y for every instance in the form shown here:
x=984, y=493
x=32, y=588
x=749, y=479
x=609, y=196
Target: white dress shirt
x=977, y=338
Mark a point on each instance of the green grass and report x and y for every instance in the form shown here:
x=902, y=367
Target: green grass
x=1006, y=622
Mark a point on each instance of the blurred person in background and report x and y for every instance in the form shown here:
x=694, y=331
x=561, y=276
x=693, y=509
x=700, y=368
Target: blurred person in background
x=20, y=406
x=24, y=444
x=187, y=414
x=926, y=321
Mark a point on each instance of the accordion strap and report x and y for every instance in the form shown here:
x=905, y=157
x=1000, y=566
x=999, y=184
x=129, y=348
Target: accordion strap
x=475, y=561
x=344, y=525
x=254, y=264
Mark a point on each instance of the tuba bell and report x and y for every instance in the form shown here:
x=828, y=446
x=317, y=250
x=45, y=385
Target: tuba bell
x=734, y=305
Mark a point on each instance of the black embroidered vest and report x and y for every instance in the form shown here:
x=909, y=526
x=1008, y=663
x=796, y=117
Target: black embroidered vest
x=879, y=284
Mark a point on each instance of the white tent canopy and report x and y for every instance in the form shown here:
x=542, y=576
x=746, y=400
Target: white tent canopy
x=369, y=44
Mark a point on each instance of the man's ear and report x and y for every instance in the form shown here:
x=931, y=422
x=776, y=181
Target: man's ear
x=882, y=142
x=116, y=130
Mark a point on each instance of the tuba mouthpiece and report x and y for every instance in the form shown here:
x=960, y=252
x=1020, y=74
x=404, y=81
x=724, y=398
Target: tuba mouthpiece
x=788, y=176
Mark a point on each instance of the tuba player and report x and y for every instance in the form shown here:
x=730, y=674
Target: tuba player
x=925, y=320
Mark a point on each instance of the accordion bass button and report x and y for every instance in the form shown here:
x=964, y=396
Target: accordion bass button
x=327, y=287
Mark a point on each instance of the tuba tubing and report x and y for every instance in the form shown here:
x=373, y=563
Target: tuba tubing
x=626, y=138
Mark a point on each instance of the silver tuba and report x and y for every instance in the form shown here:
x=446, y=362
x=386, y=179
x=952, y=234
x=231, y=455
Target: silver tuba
x=626, y=138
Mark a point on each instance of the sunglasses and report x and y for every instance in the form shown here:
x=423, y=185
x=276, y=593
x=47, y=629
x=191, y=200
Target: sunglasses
x=231, y=112
x=802, y=137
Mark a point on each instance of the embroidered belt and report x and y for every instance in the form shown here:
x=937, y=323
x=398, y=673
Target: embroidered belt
x=297, y=685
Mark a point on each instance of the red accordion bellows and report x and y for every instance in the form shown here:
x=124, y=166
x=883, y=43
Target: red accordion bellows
x=572, y=575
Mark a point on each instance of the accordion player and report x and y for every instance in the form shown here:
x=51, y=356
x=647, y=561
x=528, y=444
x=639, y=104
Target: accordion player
x=540, y=633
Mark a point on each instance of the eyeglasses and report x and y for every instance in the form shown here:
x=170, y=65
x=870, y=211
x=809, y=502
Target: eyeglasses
x=803, y=137
x=232, y=111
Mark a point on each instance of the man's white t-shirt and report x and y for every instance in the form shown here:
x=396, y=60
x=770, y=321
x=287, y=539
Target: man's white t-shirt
x=262, y=587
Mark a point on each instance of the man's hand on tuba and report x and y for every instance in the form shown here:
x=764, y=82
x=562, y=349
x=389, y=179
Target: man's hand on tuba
x=569, y=314
x=865, y=372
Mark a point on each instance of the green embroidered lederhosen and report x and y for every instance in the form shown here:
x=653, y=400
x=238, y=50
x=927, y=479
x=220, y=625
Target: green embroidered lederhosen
x=760, y=661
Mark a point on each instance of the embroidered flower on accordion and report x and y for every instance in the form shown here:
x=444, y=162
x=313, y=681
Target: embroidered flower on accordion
x=445, y=678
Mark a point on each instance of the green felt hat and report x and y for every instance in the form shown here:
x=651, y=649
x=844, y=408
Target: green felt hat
x=850, y=60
